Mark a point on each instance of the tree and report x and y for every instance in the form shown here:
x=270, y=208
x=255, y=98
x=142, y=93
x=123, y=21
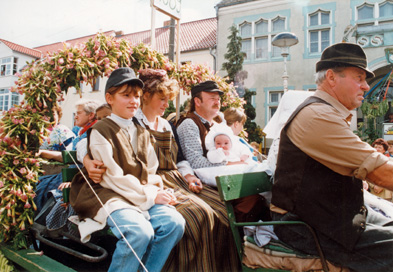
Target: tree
x=234, y=55
x=236, y=74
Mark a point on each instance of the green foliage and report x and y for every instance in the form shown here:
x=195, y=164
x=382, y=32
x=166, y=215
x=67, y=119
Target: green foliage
x=368, y=130
x=253, y=130
x=171, y=108
x=5, y=265
x=234, y=55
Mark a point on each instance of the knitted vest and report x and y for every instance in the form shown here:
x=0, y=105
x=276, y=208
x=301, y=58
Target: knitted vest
x=204, y=128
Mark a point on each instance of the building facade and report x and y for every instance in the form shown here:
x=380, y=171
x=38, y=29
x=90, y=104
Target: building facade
x=317, y=24
x=13, y=58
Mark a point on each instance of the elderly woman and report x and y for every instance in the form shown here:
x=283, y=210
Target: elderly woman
x=85, y=117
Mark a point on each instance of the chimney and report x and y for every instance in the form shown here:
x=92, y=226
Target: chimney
x=119, y=33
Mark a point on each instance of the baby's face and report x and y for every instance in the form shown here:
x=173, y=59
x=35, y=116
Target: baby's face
x=223, y=141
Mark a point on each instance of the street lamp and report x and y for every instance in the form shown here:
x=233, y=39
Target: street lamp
x=284, y=40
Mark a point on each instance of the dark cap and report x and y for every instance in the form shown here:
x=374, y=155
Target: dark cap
x=344, y=55
x=209, y=86
x=121, y=76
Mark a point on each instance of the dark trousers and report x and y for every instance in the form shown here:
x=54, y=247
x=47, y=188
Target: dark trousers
x=372, y=252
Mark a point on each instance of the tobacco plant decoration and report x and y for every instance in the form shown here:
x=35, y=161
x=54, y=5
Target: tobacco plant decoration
x=43, y=83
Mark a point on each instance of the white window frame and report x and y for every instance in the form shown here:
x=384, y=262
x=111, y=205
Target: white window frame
x=272, y=51
x=8, y=66
x=376, y=19
x=7, y=99
x=319, y=28
x=273, y=104
x=248, y=52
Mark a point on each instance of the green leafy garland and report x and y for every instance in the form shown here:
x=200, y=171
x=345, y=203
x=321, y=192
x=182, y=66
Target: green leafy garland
x=23, y=128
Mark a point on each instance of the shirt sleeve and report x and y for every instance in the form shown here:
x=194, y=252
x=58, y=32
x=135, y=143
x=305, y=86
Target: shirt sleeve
x=325, y=136
x=191, y=145
x=128, y=186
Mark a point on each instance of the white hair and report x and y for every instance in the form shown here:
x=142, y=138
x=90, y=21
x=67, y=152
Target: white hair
x=89, y=106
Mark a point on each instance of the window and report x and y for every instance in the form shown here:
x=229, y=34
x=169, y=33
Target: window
x=8, y=66
x=276, y=51
x=275, y=97
x=365, y=11
x=261, y=48
x=278, y=24
x=245, y=29
x=257, y=37
x=319, y=40
x=8, y=99
x=246, y=48
x=262, y=26
x=319, y=31
x=96, y=86
x=374, y=14
x=274, y=100
x=386, y=9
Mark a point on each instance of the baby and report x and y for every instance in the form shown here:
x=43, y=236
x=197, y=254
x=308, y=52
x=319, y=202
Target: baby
x=219, y=144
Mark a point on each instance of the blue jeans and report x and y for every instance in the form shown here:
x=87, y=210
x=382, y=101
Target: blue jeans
x=152, y=240
x=372, y=252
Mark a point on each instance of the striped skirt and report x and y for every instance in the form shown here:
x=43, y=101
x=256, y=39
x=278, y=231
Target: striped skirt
x=207, y=244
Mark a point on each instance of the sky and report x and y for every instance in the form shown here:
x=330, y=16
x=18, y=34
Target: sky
x=33, y=23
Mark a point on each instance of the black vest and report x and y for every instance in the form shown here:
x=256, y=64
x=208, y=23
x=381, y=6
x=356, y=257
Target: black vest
x=329, y=202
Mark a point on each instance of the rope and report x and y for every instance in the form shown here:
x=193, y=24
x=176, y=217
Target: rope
x=106, y=211
x=376, y=85
x=387, y=87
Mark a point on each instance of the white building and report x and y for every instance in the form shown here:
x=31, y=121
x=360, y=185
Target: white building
x=317, y=24
x=13, y=58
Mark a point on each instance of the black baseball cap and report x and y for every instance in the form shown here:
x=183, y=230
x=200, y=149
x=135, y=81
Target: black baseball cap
x=121, y=76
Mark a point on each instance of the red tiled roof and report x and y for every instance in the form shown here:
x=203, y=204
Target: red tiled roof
x=22, y=49
x=54, y=47
x=194, y=35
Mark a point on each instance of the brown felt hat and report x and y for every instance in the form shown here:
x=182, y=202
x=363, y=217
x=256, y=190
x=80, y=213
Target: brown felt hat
x=209, y=86
x=344, y=55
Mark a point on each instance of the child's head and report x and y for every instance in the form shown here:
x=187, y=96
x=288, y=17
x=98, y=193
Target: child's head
x=223, y=141
x=235, y=118
x=380, y=145
x=390, y=148
x=123, y=91
x=103, y=111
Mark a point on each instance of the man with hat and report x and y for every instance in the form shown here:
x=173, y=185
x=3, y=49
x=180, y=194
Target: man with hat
x=321, y=165
x=194, y=126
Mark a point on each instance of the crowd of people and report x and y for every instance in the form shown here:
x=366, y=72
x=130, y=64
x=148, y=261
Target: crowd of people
x=143, y=169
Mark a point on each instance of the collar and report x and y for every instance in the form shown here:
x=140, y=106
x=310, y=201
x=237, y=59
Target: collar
x=162, y=124
x=86, y=127
x=121, y=122
x=346, y=114
x=203, y=119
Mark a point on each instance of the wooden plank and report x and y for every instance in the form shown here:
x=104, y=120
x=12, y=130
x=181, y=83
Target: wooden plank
x=240, y=185
x=33, y=262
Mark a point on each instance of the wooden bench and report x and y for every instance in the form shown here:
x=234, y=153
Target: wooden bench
x=232, y=187
x=29, y=260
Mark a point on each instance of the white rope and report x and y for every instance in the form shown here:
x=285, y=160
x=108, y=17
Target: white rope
x=102, y=204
